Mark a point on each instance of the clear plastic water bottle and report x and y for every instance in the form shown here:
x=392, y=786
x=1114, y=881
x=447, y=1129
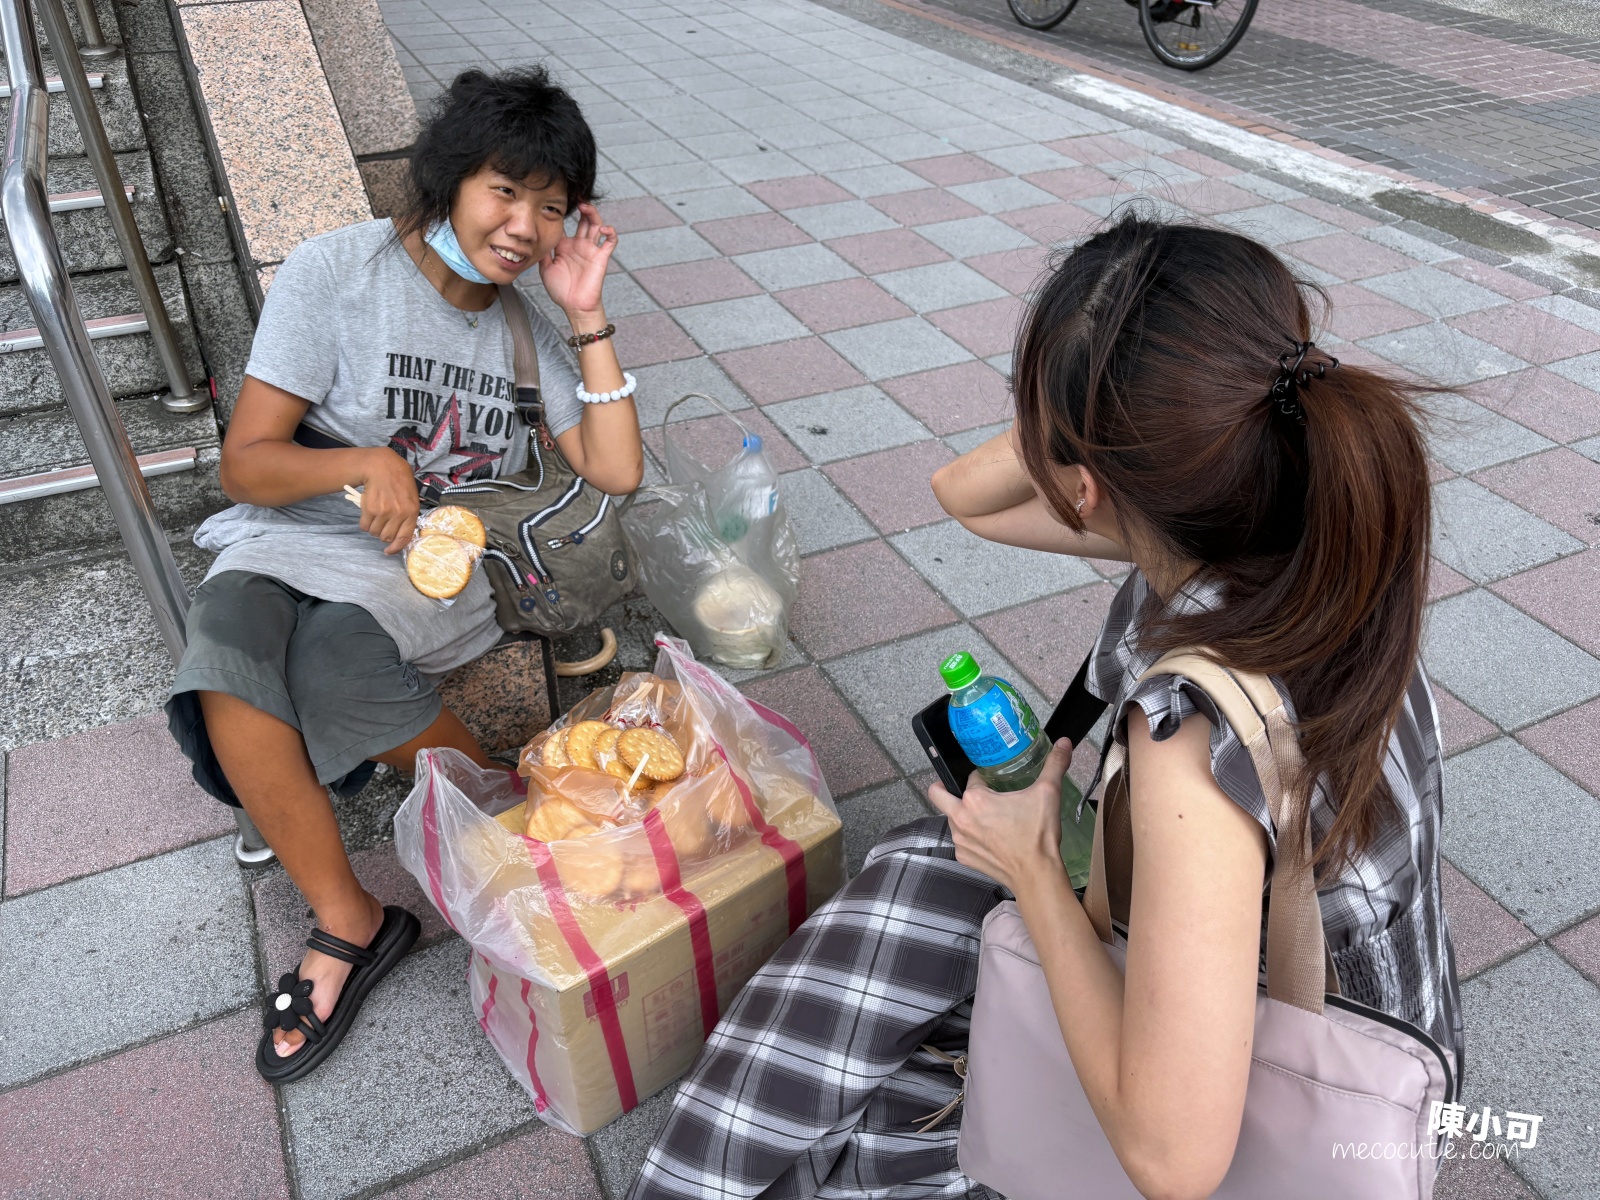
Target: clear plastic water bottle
x=748, y=491
x=999, y=734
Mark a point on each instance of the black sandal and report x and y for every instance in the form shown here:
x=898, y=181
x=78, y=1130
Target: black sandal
x=289, y=1008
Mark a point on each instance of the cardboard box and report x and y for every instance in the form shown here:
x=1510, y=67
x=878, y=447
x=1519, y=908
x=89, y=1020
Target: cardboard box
x=627, y=998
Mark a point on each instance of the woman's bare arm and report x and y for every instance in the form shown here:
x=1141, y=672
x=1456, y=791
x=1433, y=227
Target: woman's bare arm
x=262, y=464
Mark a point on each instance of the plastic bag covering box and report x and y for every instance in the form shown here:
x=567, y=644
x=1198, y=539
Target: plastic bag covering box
x=595, y=1003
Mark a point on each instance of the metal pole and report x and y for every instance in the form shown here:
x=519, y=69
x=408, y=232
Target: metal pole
x=94, y=41
x=98, y=147
x=43, y=273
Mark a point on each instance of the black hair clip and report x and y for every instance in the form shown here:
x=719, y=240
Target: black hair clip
x=1285, y=391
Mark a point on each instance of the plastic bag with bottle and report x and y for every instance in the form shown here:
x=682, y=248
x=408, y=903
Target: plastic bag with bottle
x=716, y=553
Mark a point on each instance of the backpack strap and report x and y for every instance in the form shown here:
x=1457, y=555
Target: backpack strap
x=1299, y=967
x=524, y=357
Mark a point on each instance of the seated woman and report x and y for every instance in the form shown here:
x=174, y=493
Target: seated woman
x=311, y=656
x=1144, y=432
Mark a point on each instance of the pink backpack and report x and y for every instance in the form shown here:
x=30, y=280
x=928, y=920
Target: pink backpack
x=1325, y=1072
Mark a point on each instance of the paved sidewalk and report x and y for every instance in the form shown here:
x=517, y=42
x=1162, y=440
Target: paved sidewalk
x=830, y=228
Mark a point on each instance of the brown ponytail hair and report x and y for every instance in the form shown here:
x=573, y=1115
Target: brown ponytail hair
x=1147, y=358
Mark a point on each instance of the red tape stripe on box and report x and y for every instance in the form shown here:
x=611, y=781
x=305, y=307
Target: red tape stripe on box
x=794, y=858
x=705, y=971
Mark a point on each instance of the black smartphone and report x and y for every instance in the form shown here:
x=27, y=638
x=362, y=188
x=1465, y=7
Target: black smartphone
x=932, y=727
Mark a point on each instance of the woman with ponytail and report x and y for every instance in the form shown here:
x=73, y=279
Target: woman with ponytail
x=1172, y=411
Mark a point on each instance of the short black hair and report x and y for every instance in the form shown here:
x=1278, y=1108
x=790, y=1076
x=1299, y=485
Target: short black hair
x=519, y=122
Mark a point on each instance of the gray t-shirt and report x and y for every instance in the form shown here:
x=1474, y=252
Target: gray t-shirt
x=351, y=325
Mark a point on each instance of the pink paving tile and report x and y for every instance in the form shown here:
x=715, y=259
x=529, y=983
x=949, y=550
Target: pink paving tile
x=183, y=1116
x=1332, y=213
x=1562, y=595
x=60, y=825
x=1348, y=256
x=756, y=231
x=1015, y=270
x=1543, y=401
x=1483, y=932
x=1211, y=196
x=1048, y=638
x=952, y=169
x=860, y=596
x=988, y=327
x=1444, y=581
x=536, y=1165
x=1463, y=1178
x=1570, y=742
x=1493, y=278
x=640, y=212
x=1097, y=147
x=1074, y=183
x=924, y=206
x=1438, y=472
x=283, y=921
x=1580, y=945
x=1559, y=485
x=785, y=370
x=1358, y=313
x=825, y=307
x=1053, y=224
x=652, y=338
x=1527, y=332
x=1461, y=727
x=890, y=250
x=849, y=758
x=1203, y=163
x=892, y=487
x=715, y=440
x=951, y=399
x=698, y=282
x=801, y=191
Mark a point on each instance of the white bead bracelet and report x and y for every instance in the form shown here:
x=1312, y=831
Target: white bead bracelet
x=629, y=383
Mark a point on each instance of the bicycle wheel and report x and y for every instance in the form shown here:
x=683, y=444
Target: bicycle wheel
x=1040, y=14
x=1191, y=34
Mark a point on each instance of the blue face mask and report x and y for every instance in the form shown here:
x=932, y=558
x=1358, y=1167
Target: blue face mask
x=442, y=237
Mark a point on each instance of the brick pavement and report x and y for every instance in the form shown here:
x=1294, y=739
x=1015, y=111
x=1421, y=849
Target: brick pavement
x=830, y=228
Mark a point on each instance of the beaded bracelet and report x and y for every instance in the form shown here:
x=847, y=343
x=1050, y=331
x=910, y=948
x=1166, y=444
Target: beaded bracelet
x=629, y=383
x=579, y=340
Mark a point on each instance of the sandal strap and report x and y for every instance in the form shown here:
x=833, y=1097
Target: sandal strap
x=336, y=947
x=311, y=1025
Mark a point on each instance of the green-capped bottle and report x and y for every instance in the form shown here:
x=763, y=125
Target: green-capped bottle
x=1001, y=737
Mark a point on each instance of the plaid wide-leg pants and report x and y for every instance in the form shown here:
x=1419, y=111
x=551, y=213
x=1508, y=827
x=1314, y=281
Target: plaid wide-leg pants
x=815, y=1082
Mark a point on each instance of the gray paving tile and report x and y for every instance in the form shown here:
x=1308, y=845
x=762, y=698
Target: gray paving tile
x=1589, y=448
x=832, y=158
x=381, y=1106
x=1002, y=195
x=1487, y=537
x=752, y=168
x=985, y=136
x=795, y=266
x=121, y=957
x=908, y=147
x=735, y=324
x=1583, y=370
x=1504, y=663
x=969, y=439
x=1443, y=355
x=1267, y=189
x=1398, y=239
x=678, y=177
x=1465, y=436
x=713, y=204
x=1569, y=309
x=844, y=424
x=660, y=153
x=1433, y=292
x=889, y=683
x=659, y=247
x=1276, y=224
x=979, y=576
x=823, y=221
x=1523, y=832
x=939, y=285
x=868, y=182
x=974, y=235
x=663, y=383
x=896, y=348
x=821, y=517
x=1026, y=159
x=1532, y=1025
x=867, y=816
x=619, y=1149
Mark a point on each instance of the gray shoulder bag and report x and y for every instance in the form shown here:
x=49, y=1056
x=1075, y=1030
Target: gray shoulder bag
x=555, y=542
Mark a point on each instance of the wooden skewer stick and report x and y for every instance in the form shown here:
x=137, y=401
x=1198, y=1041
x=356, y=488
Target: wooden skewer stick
x=352, y=495
x=634, y=778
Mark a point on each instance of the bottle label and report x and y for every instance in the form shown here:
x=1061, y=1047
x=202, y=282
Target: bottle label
x=996, y=727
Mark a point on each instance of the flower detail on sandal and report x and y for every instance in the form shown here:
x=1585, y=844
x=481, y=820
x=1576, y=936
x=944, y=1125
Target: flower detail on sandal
x=286, y=1006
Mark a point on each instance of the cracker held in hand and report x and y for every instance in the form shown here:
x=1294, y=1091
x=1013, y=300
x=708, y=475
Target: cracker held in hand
x=581, y=741
x=457, y=522
x=440, y=565
x=662, y=759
